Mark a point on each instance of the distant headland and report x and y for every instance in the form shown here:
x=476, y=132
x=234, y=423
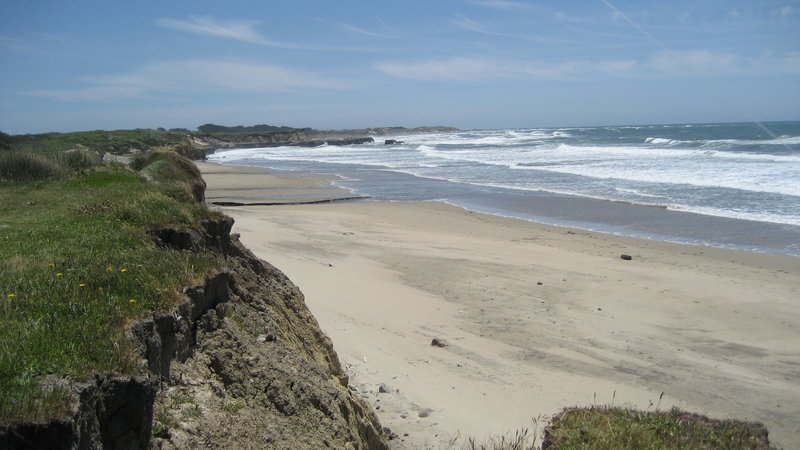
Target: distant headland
x=207, y=138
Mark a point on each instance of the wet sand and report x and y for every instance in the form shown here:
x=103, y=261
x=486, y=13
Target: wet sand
x=535, y=317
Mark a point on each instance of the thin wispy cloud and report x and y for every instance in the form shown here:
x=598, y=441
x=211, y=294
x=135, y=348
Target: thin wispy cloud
x=475, y=26
x=462, y=69
x=38, y=44
x=788, y=11
x=239, y=30
x=472, y=25
x=504, y=5
x=244, y=31
x=658, y=65
x=359, y=30
x=488, y=69
x=191, y=76
x=15, y=44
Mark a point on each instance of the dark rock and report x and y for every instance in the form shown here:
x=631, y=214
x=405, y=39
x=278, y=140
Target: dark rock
x=438, y=343
x=208, y=235
x=392, y=142
x=111, y=412
x=626, y=257
x=352, y=141
x=171, y=336
x=314, y=143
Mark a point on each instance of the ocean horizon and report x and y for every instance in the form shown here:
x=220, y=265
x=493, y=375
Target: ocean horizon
x=731, y=185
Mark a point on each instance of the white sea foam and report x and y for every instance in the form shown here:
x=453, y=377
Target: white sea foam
x=661, y=141
x=695, y=173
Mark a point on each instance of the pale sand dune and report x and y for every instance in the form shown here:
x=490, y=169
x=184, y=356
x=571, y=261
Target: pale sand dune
x=715, y=330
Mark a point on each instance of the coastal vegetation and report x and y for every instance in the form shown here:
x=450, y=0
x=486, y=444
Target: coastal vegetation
x=116, y=142
x=77, y=265
x=601, y=427
x=212, y=128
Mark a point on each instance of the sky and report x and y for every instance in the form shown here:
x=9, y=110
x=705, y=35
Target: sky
x=473, y=64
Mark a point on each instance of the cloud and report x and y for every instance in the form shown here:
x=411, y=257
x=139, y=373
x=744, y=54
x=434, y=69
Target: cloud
x=359, y=30
x=240, y=30
x=192, y=76
x=471, y=25
x=788, y=11
x=504, y=5
x=243, y=30
x=790, y=63
x=464, y=69
x=16, y=44
x=208, y=26
x=478, y=69
x=658, y=65
x=695, y=62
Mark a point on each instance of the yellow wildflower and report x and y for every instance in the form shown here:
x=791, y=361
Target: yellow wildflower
x=133, y=300
x=82, y=285
x=59, y=274
x=109, y=269
x=51, y=265
x=123, y=270
x=12, y=295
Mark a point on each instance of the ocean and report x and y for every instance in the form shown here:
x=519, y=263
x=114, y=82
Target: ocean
x=726, y=185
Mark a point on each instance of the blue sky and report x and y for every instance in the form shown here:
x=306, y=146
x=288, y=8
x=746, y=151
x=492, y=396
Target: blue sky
x=81, y=65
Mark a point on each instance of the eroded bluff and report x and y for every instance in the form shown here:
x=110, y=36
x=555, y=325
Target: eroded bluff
x=239, y=363
x=260, y=372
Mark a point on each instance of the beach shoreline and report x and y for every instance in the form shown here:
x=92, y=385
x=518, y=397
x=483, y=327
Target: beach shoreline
x=535, y=317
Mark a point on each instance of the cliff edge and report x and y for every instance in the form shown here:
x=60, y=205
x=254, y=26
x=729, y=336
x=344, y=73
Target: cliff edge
x=232, y=360
x=262, y=373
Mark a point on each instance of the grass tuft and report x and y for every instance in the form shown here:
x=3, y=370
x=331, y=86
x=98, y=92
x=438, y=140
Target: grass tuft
x=601, y=427
x=521, y=440
x=27, y=166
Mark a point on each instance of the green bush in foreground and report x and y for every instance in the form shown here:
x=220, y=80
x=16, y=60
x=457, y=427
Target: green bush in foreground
x=76, y=265
x=619, y=428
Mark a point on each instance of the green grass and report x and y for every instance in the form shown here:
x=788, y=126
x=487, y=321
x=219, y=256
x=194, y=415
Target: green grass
x=619, y=428
x=521, y=440
x=76, y=266
x=29, y=166
x=118, y=141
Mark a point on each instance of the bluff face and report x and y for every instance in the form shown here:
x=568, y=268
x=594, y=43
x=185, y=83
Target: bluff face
x=240, y=363
x=262, y=373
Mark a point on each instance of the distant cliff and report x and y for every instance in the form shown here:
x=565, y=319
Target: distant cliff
x=203, y=143
x=196, y=145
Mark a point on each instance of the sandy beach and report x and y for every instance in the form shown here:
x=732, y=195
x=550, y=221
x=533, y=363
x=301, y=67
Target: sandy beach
x=534, y=318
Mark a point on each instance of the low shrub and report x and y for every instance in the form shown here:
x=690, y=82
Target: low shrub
x=603, y=427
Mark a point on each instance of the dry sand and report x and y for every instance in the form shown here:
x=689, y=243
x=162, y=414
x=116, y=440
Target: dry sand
x=536, y=317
